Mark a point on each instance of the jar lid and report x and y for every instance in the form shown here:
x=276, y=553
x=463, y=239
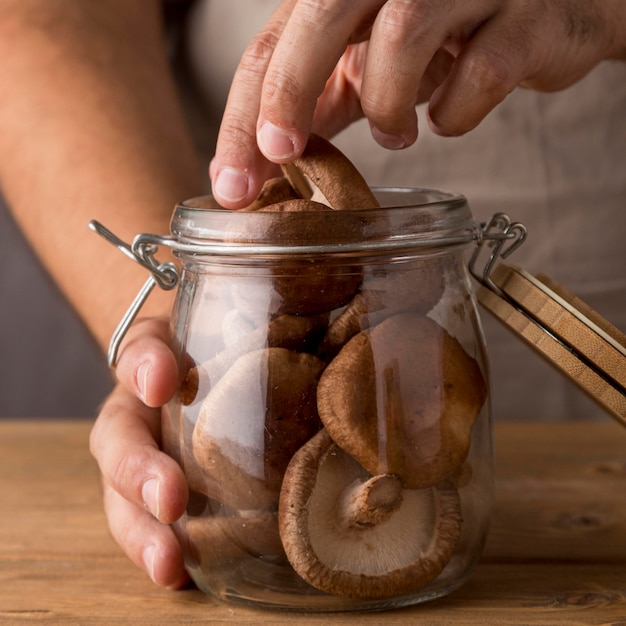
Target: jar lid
x=563, y=329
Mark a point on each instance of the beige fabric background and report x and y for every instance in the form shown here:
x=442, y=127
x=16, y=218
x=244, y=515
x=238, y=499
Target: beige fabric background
x=557, y=162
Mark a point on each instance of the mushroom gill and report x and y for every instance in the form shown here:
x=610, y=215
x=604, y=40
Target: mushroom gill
x=348, y=533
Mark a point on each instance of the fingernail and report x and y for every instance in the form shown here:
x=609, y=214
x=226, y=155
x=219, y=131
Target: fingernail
x=275, y=143
x=231, y=184
x=150, y=495
x=392, y=142
x=142, y=377
x=148, y=556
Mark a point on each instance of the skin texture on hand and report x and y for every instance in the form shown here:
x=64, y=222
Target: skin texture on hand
x=144, y=489
x=88, y=87
x=320, y=65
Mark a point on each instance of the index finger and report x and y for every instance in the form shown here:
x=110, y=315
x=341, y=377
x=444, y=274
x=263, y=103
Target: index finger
x=273, y=95
x=313, y=40
x=238, y=168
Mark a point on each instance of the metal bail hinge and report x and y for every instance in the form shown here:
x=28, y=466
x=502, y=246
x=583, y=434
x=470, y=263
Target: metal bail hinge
x=165, y=275
x=503, y=237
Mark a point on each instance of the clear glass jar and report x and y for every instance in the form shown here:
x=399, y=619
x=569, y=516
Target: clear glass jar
x=333, y=416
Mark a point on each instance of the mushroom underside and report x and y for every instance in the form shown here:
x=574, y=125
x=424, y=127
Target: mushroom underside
x=402, y=538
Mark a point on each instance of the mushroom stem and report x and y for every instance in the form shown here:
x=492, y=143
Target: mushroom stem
x=366, y=504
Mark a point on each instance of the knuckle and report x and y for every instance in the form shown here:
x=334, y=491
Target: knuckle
x=404, y=21
x=241, y=136
x=259, y=51
x=488, y=73
x=400, y=19
x=128, y=471
x=390, y=106
x=282, y=87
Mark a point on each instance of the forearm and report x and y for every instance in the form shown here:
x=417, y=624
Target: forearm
x=91, y=128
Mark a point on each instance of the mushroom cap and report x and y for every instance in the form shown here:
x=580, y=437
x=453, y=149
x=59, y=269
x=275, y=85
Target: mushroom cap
x=213, y=540
x=383, y=294
x=402, y=398
x=252, y=421
x=324, y=172
x=295, y=332
x=300, y=284
x=416, y=286
x=399, y=553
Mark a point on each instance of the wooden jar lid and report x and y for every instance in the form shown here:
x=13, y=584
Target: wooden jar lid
x=563, y=329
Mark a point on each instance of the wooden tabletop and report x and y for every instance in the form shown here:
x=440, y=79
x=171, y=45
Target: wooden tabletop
x=556, y=553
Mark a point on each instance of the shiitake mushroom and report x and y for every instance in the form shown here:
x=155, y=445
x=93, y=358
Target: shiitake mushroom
x=251, y=423
x=401, y=398
x=349, y=533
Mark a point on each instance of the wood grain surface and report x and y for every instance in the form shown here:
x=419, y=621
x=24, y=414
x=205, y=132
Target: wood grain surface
x=556, y=553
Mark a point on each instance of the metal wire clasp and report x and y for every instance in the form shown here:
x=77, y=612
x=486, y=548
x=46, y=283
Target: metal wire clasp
x=165, y=275
x=503, y=237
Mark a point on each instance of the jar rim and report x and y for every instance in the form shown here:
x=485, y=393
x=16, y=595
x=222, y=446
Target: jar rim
x=408, y=217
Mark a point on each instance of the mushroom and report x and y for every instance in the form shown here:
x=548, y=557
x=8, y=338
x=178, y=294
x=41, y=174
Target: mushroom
x=324, y=173
x=220, y=538
x=401, y=398
x=274, y=190
x=235, y=326
x=251, y=423
x=382, y=295
x=349, y=533
x=299, y=284
x=297, y=333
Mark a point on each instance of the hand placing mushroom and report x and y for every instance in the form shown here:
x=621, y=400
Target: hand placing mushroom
x=349, y=533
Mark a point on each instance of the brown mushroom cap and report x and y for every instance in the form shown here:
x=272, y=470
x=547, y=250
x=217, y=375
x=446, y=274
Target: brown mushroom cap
x=297, y=333
x=252, y=421
x=383, y=294
x=348, y=533
x=216, y=539
x=324, y=169
x=299, y=284
x=402, y=398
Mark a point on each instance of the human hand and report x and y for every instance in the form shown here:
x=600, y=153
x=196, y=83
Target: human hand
x=319, y=66
x=144, y=489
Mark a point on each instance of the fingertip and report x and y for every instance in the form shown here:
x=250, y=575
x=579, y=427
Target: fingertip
x=236, y=187
x=161, y=380
x=147, y=367
x=165, y=565
x=277, y=144
x=173, y=494
x=231, y=187
x=392, y=141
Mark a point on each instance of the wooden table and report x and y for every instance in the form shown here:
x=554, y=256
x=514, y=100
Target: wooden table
x=556, y=553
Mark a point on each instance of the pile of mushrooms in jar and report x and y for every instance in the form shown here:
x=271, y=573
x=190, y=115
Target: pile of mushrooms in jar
x=353, y=516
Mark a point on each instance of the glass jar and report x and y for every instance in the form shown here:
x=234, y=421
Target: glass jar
x=333, y=416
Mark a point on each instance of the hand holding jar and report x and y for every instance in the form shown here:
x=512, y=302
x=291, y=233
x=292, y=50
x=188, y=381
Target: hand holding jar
x=144, y=489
